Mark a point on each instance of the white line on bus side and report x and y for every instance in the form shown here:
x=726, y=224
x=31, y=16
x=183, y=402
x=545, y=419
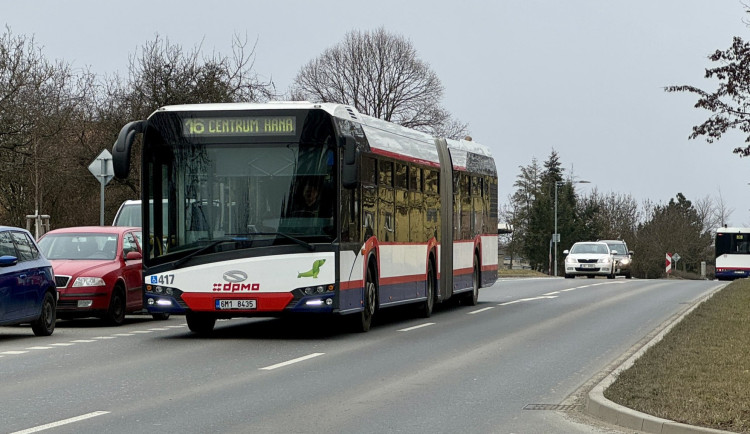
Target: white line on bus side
x=62, y=422
x=290, y=362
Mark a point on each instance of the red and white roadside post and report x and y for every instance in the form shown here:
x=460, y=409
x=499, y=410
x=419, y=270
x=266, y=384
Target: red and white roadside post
x=669, y=264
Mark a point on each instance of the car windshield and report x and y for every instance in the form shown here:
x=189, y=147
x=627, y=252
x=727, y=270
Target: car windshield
x=79, y=246
x=618, y=247
x=591, y=248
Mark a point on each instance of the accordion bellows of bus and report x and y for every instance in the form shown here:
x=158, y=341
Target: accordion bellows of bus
x=292, y=208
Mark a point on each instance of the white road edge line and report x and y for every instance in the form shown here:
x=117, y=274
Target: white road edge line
x=527, y=299
x=289, y=362
x=408, y=329
x=480, y=310
x=62, y=422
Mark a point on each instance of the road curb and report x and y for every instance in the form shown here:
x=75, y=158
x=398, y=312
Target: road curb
x=598, y=406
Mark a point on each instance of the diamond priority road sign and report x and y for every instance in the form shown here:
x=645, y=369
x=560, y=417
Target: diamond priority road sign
x=103, y=169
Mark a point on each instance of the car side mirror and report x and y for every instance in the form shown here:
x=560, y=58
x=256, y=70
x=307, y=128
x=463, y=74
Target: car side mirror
x=565, y=252
x=8, y=261
x=133, y=256
x=614, y=252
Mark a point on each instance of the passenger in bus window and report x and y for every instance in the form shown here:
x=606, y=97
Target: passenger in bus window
x=310, y=203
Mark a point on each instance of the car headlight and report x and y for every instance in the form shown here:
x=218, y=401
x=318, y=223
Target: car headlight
x=605, y=260
x=88, y=281
x=625, y=261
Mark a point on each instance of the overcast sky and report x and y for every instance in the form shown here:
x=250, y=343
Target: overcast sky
x=584, y=78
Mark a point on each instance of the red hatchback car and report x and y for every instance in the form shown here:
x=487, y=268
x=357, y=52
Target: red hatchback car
x=97, y=271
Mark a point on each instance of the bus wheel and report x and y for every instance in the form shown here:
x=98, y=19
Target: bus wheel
x=471, y=298
x=370, y=302
x=201, y=324
x=427, y=305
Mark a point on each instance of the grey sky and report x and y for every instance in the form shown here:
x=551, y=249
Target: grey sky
x=583, y=77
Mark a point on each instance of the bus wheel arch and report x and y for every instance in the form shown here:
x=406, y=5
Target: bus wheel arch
x=369, y=295
x=471, y=298
x=428, y=304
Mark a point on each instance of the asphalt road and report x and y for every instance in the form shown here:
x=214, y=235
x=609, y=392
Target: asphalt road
x=516, y=363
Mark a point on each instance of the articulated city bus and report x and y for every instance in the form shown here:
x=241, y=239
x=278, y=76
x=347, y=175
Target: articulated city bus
x=292, y=208
x=732, y=253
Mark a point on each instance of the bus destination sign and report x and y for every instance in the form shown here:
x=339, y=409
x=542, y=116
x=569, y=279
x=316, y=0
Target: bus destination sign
x=240, y=126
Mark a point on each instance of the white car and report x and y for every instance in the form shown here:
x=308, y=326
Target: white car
x=589, y=259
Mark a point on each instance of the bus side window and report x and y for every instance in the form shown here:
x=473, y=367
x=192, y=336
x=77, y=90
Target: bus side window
x=401, y=179
x=415, y=179
x=368, y=170
x=386, y=174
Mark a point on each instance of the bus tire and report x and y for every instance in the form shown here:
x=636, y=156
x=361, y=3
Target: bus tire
x=472, y=298
x=426, y=306
x=370, y=302
x=200, y=323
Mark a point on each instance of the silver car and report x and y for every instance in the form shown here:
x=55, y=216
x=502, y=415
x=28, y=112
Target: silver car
x=589, y=259
x=623, y=257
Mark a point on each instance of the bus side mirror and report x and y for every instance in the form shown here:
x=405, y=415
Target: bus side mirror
x=121, y=148
x=350, y=170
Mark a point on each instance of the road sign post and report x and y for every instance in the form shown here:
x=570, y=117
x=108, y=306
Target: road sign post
x=103, y=170
x=669, y=263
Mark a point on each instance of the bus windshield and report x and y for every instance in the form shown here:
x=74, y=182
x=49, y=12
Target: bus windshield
x=732, y=243
x=244, y=192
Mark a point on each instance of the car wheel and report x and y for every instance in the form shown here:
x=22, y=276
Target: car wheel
x=569, y=276
x=116, y=313
x=200, y=323
x=45, y=324
x=160, y=316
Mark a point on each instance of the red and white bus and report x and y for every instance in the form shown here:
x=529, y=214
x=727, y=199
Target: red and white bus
x=732, y=247
x=399, y=216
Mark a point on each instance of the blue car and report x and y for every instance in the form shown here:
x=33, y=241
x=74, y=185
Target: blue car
x=27, y=283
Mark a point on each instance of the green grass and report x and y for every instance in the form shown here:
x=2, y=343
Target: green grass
x=699, y=373
x=519, y=273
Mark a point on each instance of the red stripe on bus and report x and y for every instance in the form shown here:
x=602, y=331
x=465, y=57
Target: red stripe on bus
x=267, y=302
x=352, y=284
x=402, y=157
x=403, y=279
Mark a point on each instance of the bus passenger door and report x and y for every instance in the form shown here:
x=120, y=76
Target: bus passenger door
x=386, y=224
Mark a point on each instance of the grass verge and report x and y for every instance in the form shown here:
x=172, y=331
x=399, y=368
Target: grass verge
x=699, y=373
x=519, y=273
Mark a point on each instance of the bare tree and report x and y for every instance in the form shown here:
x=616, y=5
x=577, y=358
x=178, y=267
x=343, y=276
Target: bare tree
x=729, y=104
x=162, y=74
x=381, y=76
x=39, y=101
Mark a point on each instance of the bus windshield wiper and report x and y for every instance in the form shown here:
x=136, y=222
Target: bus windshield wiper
x=215, y=243
x=309, y=246
x=208, y=246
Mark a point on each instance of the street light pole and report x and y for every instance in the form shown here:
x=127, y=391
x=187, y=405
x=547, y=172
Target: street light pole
x=556, y=235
